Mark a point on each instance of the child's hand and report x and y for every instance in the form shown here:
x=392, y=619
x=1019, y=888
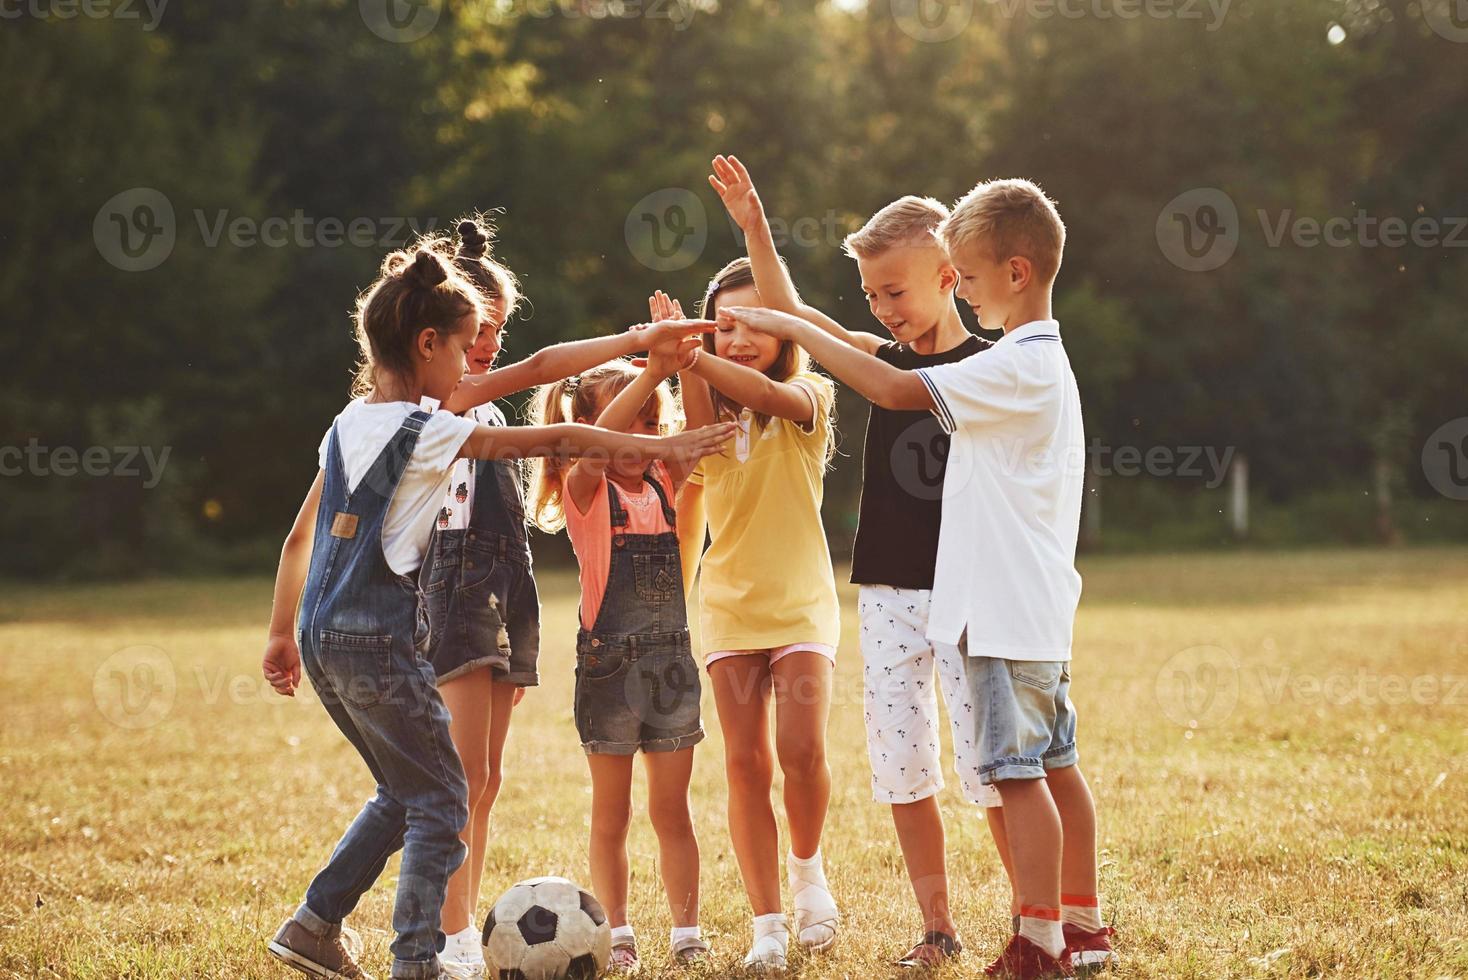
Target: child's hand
x=772, y=322
x=668, y=357
x=736, y=190
x=649, y=335
x=282, y=664
x=664, y=307
x=694, y=444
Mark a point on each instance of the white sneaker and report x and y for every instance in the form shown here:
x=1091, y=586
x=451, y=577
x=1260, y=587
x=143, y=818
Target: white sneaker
x=461, y=969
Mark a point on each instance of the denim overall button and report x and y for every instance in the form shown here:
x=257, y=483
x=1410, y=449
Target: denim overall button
x=619, y=541
x=595, y=642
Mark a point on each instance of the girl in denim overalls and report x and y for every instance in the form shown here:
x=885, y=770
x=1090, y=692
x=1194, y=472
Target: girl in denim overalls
x=478, y=582
x=637, y=685
x=349, y=564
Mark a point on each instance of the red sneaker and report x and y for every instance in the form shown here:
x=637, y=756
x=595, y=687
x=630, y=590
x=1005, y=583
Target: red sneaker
x=1023, y=960
x=1089, y=950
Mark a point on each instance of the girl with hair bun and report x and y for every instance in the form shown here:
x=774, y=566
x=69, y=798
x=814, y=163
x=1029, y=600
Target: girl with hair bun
x=346, y=606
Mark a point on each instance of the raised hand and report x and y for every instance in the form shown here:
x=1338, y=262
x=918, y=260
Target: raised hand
x=690, y=446
x=772, y=322
x=736, y=190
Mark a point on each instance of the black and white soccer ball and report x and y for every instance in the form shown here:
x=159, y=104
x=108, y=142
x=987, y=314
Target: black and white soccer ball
x=547, y=929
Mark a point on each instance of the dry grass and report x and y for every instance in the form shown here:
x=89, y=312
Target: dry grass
x=1299, y=811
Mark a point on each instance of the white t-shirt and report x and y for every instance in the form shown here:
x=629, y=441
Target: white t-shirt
x=363, y=429
x=458, y=502
x=1011, y=497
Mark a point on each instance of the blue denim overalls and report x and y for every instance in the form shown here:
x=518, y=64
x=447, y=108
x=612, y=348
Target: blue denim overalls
x=478, y=582
x=637, y=685
x=360, y=633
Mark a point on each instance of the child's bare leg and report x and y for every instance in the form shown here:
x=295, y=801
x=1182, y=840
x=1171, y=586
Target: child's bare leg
x=611, y=814
x=502, y=704
x=1035, y=852
x=468, y=698
x=994, y=815
x=802, y=709
x=920, y=832
x=1078, y=819
x=668, y=776
x=742, y=692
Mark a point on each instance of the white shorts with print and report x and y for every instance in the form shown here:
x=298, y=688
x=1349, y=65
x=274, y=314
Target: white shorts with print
x=902, y=701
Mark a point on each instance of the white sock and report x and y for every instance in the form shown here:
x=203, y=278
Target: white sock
x=464, y=946
x=1082, y=911
x=1043, y=932
x=679, y=933
x=623, y=932
x=773, y=924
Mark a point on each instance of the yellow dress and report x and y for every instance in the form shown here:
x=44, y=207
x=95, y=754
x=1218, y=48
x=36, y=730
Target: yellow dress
x=766, y=580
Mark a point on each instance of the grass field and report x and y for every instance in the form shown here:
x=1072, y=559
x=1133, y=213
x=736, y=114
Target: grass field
x=1277, y=743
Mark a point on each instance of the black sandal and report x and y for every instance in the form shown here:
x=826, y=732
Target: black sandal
x=934, y=949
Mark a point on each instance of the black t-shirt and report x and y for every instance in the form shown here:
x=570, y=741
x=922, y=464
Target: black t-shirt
x=902, y=484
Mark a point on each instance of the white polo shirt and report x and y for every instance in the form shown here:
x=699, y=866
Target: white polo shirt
x=1011, y=497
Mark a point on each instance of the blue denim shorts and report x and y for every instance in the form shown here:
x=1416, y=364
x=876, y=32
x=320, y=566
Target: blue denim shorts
x=483, y=608
x=1023, y=720
x=637, y=692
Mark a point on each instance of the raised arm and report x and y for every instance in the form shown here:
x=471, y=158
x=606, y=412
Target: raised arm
x=771, y=277
x=573, y=440
x=875, y=380
x=556, y=362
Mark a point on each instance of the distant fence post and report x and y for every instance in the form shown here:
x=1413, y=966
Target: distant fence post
x=1238, y=497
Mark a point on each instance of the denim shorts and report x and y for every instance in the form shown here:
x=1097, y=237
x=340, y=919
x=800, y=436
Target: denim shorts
x=483, y=608
x=1023, y=720
x=637, y=692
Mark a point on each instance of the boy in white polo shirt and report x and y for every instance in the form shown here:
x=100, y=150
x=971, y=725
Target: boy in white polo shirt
x=1005, y=588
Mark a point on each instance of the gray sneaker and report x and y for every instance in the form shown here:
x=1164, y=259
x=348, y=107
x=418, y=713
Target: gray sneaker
x=330, y=956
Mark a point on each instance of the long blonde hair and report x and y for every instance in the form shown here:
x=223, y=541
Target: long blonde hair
x=582, y=396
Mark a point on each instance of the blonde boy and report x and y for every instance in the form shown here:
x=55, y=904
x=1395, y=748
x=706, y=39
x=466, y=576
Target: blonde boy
x=1005, y=587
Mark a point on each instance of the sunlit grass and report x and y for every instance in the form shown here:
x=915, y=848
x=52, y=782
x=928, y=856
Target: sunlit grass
x=1298, y=811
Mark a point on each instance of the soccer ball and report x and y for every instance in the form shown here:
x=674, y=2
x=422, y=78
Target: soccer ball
x=547, y=929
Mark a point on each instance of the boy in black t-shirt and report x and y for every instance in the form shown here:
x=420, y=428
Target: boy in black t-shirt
x=909, y=283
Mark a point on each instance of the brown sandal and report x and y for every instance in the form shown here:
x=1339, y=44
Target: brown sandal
x=934, y=949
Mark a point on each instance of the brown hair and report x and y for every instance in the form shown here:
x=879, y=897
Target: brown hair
x=417, y=289
x=790, y=361
x=908, y=222
x=1006, y=218
x=582, y=396
x=474, y=257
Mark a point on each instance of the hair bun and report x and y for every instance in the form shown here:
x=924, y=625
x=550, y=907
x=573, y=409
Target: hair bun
x=426, y=270
x=474, y=239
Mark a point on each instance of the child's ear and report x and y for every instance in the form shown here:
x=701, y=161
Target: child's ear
x=947, y=277
x=1020, y=273
x=427, y=342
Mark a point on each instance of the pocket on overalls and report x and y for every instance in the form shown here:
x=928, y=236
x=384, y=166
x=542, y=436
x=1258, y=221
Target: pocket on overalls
x=600, y=666
x=358, y=667
x=657, y=577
